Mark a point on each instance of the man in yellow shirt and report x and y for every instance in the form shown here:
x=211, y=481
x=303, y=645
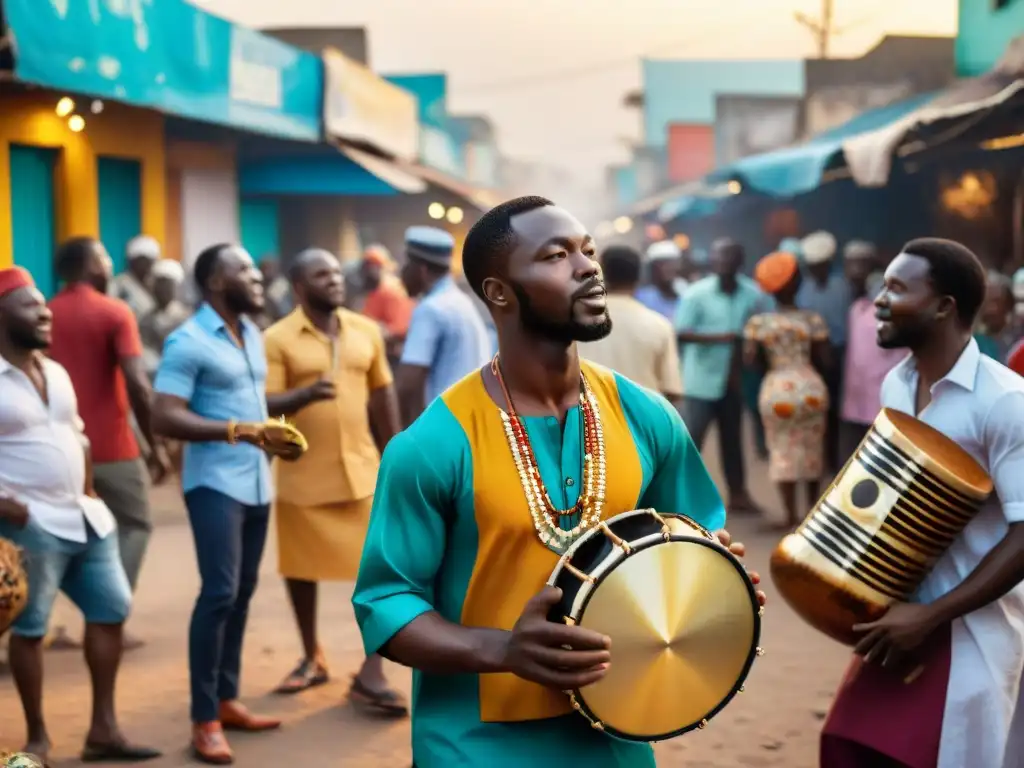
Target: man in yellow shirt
x=328, y=371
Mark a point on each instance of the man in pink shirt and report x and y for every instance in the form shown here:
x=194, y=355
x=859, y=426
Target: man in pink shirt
x=866, y=363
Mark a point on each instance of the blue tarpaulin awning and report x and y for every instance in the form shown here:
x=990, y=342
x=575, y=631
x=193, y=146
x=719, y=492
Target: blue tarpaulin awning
x=343, y=172
x=799, y=168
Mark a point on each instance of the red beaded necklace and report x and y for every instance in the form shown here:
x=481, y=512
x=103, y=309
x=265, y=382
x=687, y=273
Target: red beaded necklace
x=591, y=449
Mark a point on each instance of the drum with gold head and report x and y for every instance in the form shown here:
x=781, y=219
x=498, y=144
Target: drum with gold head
x=682, y=615
x=872, y=538
x=13, y=584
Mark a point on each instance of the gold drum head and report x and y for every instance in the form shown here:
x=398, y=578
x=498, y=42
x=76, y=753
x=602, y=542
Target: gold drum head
x=683, y=619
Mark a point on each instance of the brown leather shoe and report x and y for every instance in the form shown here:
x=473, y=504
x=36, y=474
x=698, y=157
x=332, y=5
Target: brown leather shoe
x=209, y=744
x=234, y=716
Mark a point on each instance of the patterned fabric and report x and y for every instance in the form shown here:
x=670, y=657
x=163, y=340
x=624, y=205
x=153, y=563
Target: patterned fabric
x=793, y=400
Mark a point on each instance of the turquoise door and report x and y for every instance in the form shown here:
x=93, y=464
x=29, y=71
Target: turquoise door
x=120, y=183
x=32, y=213
x=259, y=225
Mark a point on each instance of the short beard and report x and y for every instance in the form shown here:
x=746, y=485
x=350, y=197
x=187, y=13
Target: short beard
x=906, y=338
x=26, y=339
x=561, y=332
x=326, y=306
x=241, y=303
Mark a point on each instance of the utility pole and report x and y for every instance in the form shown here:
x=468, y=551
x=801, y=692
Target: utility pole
x=822, y=28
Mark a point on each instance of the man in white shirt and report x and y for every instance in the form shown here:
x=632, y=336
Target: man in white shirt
x=47, y=508
x=962, y=636
x=642, y=343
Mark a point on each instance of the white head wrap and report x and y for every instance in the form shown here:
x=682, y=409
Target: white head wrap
x=168, y=269
x=663, y=250
x=818, y=247
x=143, y=247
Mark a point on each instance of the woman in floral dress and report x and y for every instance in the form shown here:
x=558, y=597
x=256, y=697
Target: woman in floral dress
x=793, y=402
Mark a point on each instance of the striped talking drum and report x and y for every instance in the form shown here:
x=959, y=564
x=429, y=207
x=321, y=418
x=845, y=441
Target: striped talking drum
x=885, y=520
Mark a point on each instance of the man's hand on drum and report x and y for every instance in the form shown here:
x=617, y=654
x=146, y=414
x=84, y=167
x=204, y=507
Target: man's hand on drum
x=903, y=629
x=737, y=549
x=554, y=655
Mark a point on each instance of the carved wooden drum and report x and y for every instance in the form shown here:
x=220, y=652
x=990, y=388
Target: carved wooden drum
x=682, y=615
x=13, y=584
x=885, y=520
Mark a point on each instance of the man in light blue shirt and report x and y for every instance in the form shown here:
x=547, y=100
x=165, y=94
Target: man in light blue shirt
x=447, y=339
x=710, y=325
x=211, y=394
x=662, y=294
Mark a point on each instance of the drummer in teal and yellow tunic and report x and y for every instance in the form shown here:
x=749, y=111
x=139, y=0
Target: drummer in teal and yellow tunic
x=452, y=580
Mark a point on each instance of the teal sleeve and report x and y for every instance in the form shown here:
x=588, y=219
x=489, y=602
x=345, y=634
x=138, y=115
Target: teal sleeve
x=679, y=482
x=405, y=541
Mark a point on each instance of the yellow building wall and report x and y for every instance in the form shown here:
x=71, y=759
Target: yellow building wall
x=119, y=131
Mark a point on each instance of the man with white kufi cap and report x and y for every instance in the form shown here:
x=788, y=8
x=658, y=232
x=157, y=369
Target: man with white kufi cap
x=828, y=294
x=662, y=293
x=447, y=339
x=168, y=311
x=134, y=285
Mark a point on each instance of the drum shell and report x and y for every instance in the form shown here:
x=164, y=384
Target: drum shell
x=900, y=501
x=13, y=584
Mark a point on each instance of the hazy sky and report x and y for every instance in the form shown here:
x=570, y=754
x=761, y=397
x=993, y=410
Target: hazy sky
x=552, y=73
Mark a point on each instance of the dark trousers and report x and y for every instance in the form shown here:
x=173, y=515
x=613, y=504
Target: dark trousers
x=727, y=413
x=124, y=488
x=834, y=382
x=229, y=538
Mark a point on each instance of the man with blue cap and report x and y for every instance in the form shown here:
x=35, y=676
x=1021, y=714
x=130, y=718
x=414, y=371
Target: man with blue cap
x=447, y=339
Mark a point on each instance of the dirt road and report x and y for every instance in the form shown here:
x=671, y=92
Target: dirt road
x=774, y=723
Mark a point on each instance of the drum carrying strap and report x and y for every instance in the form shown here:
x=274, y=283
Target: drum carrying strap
x=511, y=563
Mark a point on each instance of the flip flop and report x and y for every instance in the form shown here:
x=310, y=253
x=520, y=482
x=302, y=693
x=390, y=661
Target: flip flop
x=386, y=703
x=308, y=674
x=118, y=752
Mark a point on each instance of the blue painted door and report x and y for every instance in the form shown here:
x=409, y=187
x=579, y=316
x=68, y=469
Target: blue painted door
x=33, y=213
x=120, y=187
x=260, y=226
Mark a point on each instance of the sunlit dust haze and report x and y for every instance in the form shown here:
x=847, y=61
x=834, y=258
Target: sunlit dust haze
x=551, y=74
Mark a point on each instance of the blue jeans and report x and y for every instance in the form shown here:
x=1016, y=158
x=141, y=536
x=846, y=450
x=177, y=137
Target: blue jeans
x=229, y=538
x=89, y=573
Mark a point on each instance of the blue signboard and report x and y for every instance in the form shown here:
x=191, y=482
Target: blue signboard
x=170, y=56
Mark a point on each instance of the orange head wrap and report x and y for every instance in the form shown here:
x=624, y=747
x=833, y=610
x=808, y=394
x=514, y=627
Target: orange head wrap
x=13, y=278
x=379, y=256
x=775, y=270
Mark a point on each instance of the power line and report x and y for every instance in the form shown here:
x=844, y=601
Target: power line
x=822, y=28
x=575, y=73
x=588, y=70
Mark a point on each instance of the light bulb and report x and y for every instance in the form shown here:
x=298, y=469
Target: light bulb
x=435, y=211
x=76, y=123
x=455, y=215
x=65, y=107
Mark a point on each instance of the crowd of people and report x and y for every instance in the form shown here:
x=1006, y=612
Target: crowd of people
x=396, y=373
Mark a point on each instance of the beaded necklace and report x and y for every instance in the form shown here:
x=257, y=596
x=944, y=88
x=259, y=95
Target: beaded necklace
x=547, y=518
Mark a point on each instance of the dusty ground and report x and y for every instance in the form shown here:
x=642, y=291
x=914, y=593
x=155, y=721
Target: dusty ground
x=774, y=723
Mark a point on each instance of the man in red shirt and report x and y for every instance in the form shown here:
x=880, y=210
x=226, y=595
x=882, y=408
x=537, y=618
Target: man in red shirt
x=387, y=301
x=96, y=338
x=1015, y=362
